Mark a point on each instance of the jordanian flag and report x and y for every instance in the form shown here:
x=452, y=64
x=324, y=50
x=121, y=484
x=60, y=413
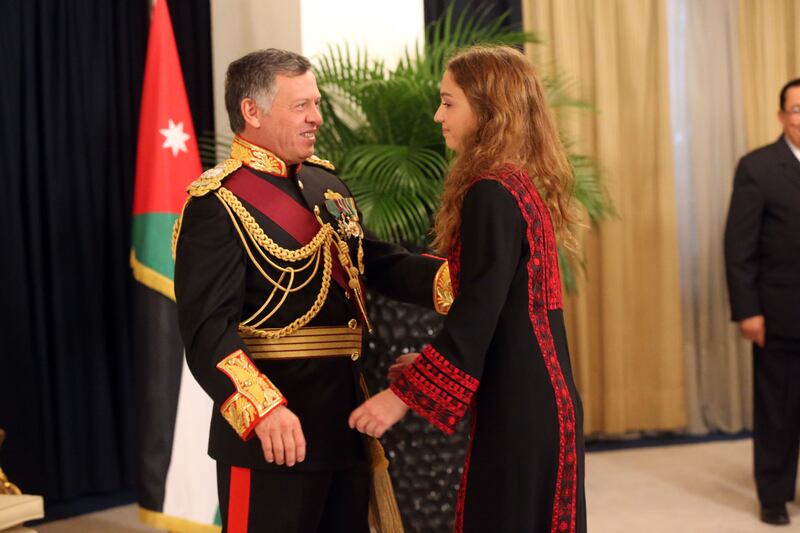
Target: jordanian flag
x=176, y=480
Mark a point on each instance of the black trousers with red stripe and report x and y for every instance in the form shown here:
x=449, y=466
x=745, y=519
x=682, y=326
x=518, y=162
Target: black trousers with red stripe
x=286, y=501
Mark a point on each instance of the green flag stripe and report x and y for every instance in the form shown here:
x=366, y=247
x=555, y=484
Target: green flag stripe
x=152, y=241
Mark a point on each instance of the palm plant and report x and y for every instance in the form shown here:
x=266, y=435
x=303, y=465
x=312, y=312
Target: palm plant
x=379, y=128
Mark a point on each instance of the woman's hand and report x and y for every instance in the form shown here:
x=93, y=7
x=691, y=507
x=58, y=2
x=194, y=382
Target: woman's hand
x=400, y=364
x=378, y=414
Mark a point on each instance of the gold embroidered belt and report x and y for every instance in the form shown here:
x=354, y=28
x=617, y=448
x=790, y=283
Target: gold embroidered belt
x=308, y=342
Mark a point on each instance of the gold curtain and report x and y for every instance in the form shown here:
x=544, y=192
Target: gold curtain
x=769, y=34
x=625, y=323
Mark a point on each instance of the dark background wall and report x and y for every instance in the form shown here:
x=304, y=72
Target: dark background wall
x=69, y=104
x=495, y=8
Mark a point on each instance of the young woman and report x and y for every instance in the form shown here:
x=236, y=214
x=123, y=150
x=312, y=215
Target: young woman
x=503, y=349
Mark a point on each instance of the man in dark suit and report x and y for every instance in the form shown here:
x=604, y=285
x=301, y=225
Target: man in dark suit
x=762, y=255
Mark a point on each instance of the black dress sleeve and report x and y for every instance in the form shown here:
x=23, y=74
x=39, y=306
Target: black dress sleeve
x=399, y=274
x=742, y=232
x=210, y=268
x=441, y=382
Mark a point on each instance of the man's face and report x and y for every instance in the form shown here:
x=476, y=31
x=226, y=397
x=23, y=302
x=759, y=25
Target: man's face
x=790, y=116
x=289, y=128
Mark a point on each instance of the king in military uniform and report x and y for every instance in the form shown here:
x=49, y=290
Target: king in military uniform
x=270, y=272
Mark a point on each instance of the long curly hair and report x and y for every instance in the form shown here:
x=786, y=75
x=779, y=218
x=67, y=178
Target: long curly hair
x=515, y=128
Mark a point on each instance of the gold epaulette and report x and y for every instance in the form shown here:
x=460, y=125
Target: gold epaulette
x=211, y=179
x=324, y=163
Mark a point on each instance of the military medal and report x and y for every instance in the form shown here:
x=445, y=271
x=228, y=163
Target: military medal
x=345, y=212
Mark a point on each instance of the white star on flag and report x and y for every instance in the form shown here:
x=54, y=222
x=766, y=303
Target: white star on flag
x=175, y=138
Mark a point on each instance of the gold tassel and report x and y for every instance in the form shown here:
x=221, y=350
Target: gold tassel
x=361, y=254
x=6, y=487
x=384, y=515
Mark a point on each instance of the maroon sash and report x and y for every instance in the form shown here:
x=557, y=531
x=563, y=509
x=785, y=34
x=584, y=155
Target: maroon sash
x=284, y=211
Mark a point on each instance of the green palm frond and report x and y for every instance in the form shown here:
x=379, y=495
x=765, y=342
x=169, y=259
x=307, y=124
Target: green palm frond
x=398, y=216
x=589, y=190
x=397, y=186
x=407, y=169
x=379, y=126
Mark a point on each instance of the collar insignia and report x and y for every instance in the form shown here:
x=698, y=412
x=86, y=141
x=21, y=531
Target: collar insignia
x=258, y=158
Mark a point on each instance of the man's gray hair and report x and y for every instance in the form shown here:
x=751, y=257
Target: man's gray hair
x=253, y=76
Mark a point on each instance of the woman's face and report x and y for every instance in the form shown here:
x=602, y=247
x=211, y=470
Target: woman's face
x=454, y=114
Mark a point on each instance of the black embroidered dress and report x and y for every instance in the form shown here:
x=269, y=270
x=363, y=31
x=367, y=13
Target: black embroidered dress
x=503, y=353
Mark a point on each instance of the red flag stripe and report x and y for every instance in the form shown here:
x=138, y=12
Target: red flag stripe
x=167, y=158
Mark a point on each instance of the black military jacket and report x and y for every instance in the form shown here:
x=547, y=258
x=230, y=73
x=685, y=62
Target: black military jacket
x=217, y=284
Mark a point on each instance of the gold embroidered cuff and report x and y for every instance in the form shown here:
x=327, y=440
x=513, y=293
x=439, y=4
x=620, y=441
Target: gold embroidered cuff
x=442, y=290
x=255, y=395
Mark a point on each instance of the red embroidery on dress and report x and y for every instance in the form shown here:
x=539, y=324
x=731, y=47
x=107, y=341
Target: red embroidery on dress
x=437, y=403
x=436, y=389
x=454, y=264
x=458, y=526
x=437, y=378
x=450, y=370
x=544, y=293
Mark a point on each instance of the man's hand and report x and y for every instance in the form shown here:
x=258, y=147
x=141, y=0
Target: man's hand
x=378, y=414
x=282, y=437
x=753, y=329
x=400, y=364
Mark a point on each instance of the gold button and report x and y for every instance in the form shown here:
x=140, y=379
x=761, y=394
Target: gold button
x=352, y=324
x=300, y=184
x=355, y=356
